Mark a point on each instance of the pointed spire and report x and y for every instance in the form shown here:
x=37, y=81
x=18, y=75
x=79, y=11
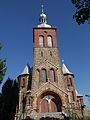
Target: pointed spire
x=43, y=19
x=65, y=69
x=26, y=70
x=77, y=94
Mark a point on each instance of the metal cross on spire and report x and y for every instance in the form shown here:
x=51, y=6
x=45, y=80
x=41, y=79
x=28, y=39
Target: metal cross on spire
x=42, y=7
x=62, y=61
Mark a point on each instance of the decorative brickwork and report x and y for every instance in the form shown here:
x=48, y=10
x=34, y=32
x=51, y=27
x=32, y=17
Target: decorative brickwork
x=49, y=87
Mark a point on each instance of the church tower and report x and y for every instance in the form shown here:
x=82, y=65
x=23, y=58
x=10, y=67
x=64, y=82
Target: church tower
x=48, y=87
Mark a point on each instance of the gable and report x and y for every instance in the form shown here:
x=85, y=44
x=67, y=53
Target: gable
x=48, y=86
x=46, y=64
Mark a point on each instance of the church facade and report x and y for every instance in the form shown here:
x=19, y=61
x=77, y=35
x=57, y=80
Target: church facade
x=47, y=87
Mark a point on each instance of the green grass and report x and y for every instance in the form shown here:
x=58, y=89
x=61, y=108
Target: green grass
x=86, y=118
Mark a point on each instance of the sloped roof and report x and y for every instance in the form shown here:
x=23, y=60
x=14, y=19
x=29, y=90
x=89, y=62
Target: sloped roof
x=77, y=94
x=44, y=25
x=66, y=71
x=26, y=70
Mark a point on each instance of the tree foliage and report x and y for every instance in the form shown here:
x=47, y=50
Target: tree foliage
x=82, y=13
x=8, y=100
x=2, y=67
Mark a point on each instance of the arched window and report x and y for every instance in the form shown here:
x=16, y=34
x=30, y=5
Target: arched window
x=41, y=41
x=73, y=97
x=38, y=74
x=50, y=53
x=49, y=41
x=29, y=100
x=44, y=76
x=23, y=82
x=71, y=82
x=52, y=75
x=41, y=53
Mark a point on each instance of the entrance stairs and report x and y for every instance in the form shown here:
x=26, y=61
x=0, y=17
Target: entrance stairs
x=41, y=116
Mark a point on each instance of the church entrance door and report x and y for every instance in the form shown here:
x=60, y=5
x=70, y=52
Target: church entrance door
x=50, y=103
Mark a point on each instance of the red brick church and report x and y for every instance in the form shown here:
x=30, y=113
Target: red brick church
x=47, y=87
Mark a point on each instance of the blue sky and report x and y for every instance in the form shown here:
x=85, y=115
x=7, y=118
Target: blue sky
x=17, y=19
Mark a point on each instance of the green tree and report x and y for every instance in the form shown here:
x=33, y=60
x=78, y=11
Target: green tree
x=9, y=100
x=1, y=106
x=2, y=67
x=82, y=13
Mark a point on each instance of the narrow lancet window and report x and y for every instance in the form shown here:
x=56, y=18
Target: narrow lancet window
x=23, y=82
x=38, y=74
x=41, y=41
x=49, y=40
x=52, y=75
x=73, y=97
x=44, y=76
x=41, y=53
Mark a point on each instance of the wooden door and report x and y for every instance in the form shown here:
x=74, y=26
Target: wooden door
x=44, y=106
x=53, y=106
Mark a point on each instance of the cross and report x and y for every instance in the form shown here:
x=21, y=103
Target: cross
x=42, y=8
x=62, y=61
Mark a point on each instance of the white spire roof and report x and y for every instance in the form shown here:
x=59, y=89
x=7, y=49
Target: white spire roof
x=43, y=20
x=26, y=70
x=65, y=70
x=77, y=94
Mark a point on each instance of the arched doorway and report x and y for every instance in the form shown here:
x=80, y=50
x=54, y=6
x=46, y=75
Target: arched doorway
x=49, y=102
